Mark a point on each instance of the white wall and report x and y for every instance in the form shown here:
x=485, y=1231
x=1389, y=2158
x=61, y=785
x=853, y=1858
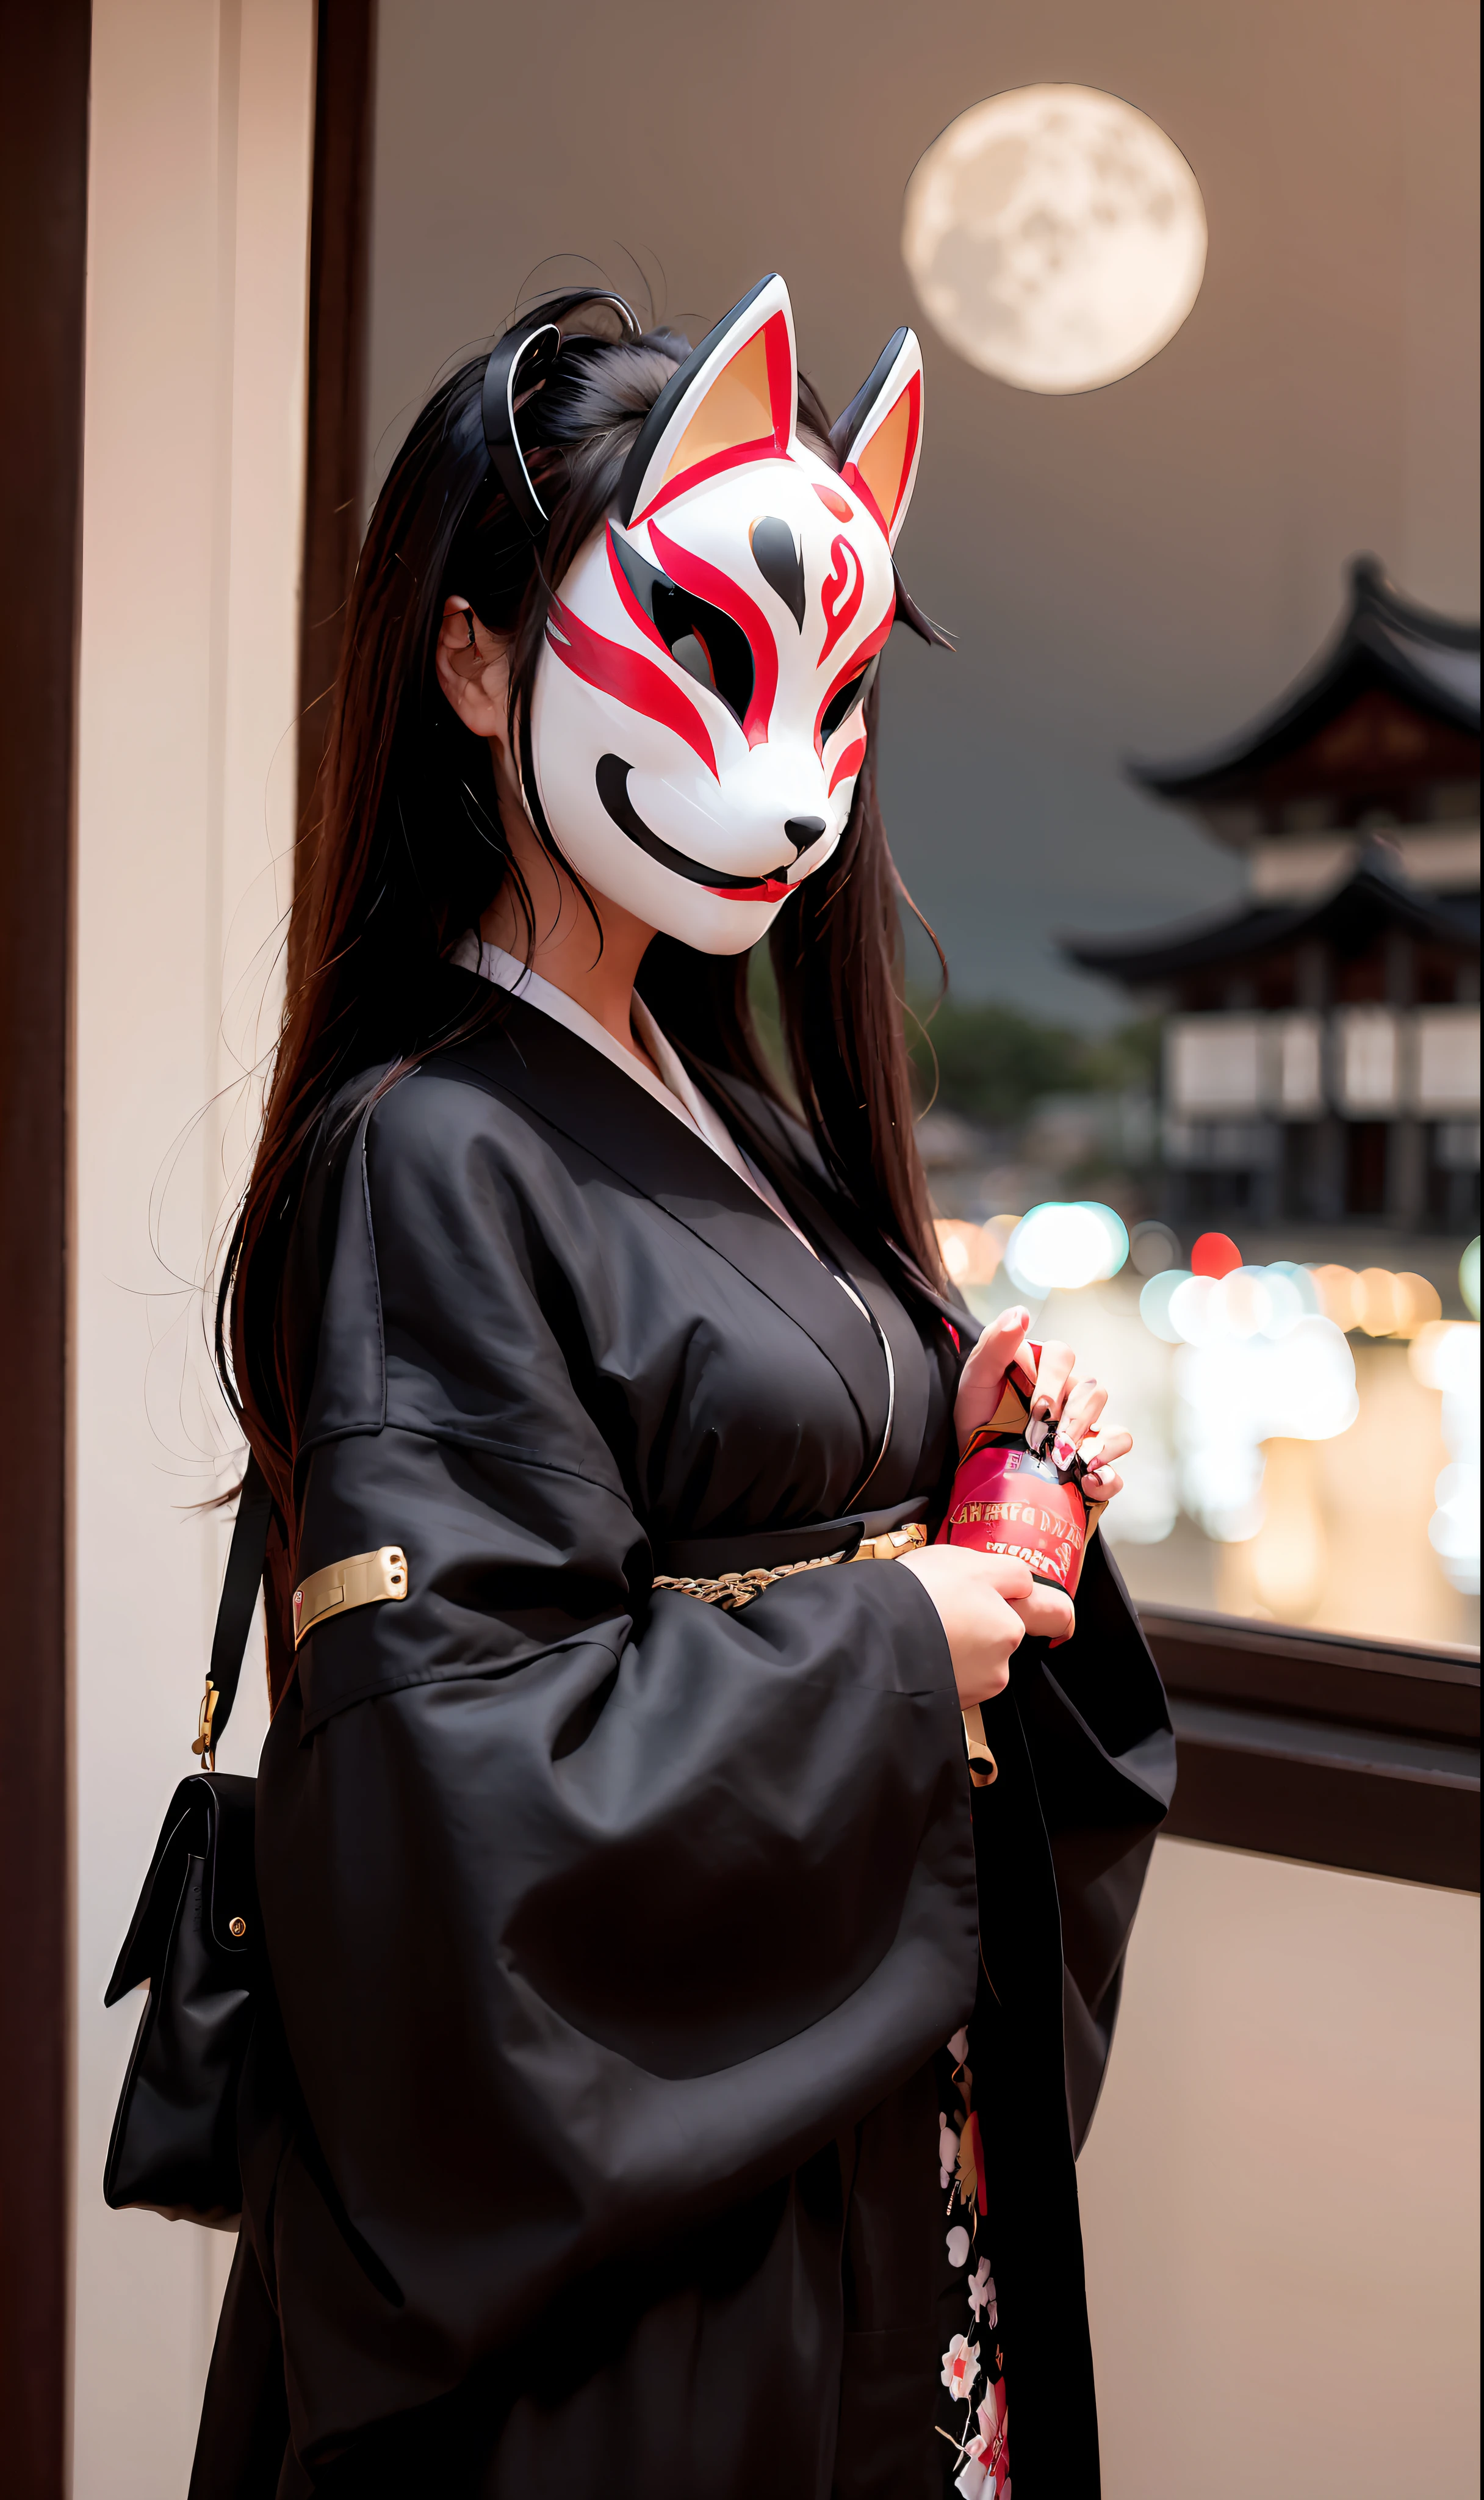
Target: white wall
x=1280, y=2195
x=201, y=141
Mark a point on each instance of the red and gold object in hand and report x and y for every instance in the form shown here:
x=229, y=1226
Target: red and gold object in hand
x=1009, y=1499
x=1018, y=1492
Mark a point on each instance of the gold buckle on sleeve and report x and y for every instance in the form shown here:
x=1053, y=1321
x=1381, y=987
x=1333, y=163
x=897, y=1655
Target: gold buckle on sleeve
x=361, y=1580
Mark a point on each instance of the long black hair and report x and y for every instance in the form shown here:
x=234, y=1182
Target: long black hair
x=405, y=851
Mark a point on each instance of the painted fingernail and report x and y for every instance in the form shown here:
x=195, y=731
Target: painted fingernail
x=1036, y=1437
x=1063, y=1450
x=1041, y=1407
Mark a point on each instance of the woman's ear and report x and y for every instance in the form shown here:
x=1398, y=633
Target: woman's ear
x=473, y=669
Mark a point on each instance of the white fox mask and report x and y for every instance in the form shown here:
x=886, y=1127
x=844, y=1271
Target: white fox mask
x=696, y=726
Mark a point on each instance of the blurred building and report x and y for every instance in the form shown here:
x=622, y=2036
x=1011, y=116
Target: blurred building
x=1321, y=1055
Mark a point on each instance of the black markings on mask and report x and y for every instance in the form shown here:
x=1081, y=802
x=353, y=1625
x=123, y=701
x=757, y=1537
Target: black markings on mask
x=612, y=778
x=777, y=555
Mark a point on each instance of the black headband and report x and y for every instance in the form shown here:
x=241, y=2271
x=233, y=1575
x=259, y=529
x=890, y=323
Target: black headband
x=521, y=361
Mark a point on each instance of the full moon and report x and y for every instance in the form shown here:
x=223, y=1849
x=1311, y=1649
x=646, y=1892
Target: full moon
x=1056, y=237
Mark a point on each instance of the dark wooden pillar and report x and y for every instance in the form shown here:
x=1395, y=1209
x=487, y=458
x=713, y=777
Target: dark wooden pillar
x=44, y=88
x=339, y=292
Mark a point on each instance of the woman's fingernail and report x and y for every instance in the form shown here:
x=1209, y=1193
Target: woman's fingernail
x=1041, y=1408
x=1035, y=1437
x=1063, y=1450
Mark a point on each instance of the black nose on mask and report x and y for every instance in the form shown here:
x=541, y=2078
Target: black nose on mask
x=802, y=831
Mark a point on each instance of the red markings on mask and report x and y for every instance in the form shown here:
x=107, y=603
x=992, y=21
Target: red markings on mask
x=632, y=680
x=834, y=502
x=849, y=762
x=705, y=581
x=853, y=666
x=842, y=594
x=882, y=470
x=769, y=889
x=854, y=475
x=738, y=400
x=630, y=605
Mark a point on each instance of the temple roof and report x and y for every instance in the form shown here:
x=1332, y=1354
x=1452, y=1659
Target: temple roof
x=1385, y=645
x=1347, y=920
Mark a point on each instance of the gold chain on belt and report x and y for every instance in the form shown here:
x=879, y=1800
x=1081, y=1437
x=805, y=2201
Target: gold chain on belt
x=732, y=1589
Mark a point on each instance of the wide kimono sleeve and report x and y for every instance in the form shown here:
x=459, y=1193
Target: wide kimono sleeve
x=590, y=1909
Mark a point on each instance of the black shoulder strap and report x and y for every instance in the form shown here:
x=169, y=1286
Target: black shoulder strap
x=240, y=1592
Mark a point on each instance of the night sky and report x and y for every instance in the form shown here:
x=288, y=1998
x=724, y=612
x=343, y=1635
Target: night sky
x=1134, y=570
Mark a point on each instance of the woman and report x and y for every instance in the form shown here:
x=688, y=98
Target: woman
x=602, y=2137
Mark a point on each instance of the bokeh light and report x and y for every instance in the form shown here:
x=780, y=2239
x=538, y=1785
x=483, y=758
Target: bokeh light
x=1152, y=1247
x=1445, y=1357
x=1066, y=1243
x=1237, y=1389
x=1215, y=1254
x=1259, y=1360
x=1155, y=1300
x=1469, y=1276
x=1377, y=1302
x=971, y=1253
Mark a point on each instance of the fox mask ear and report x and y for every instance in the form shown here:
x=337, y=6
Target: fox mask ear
x=735, y=398
x=879, y=439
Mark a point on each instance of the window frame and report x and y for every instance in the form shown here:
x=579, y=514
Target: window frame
x=1319, y=1746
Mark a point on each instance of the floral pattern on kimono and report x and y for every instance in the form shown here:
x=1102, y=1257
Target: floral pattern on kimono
x=974, y=2410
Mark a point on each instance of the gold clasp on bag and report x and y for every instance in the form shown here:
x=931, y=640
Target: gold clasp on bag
x=203, y=1744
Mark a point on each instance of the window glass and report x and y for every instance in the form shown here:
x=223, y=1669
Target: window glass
x=1306, y=1431
x=1232, y=987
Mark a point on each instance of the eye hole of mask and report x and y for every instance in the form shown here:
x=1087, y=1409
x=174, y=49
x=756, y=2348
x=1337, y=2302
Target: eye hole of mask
x=706, y=644
x=693, y=657
x=841, y=705
x=700, y=638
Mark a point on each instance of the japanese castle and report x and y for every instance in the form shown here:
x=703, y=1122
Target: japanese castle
x=1321, y=1056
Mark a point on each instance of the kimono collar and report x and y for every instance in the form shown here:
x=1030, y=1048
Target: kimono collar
x=575, y=1091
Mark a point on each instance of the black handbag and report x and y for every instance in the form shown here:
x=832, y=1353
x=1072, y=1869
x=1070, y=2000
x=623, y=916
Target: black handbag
x=196, y=1938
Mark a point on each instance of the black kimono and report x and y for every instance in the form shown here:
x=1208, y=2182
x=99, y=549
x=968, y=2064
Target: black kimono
x=592, y=2144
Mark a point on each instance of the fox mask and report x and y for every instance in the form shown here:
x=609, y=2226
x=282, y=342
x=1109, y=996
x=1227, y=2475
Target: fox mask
x=698, y=721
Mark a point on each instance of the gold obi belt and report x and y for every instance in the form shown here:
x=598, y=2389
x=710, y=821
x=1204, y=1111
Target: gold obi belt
x=729, y=1571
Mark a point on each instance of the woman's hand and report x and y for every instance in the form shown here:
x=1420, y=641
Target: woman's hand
x=1056, y=1397
x=986, y=1605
